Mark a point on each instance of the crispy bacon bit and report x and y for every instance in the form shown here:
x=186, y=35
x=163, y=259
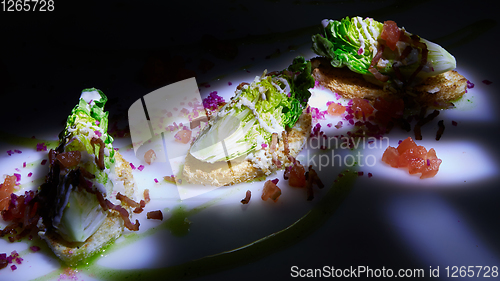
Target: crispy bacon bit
x=127, y=201
x=124, y=214
x=101, y=201
x=312, y=178
x=271, y=190
x=276, y=161
x=284, y=137
x=245, y=200
x=150, y=156
x=155, y=215
x=379, y=76
x=99, y=160
x=240, y=86
x=69, y=158
x=169, y=178
x=139, y=207
x=146, y=196
x=440, y=130
x=274, y=142
x=423, y=60
x=422, y=121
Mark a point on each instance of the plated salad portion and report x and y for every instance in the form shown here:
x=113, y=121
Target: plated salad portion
x=78, y=211
x=393, y=60
x=254, y=134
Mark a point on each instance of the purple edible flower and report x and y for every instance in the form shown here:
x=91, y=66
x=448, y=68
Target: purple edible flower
x=35, y=248
x=41, y=147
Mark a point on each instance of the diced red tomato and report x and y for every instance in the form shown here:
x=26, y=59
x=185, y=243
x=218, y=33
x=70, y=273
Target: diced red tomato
x=271, y=190
x=335, y=109
x=416, y=158
x=391, y=156
x=409, y=155
x=408, y=143
x=361, y=107
x=183, y=136
x=5, y=190
x=431, y=154
x=390, y=33
x=431, y=168
x=416, y=165
x=297, y=176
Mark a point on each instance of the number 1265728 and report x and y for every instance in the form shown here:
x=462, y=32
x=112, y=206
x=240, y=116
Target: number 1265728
x=471, y=271
x=27, y=5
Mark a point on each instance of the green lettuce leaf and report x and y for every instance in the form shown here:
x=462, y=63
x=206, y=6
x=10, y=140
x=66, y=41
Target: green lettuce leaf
x=353, y=43
x=268, y=105
x=77, y=213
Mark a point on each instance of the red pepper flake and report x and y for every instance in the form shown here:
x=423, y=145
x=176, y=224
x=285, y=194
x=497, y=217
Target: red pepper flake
x=44, y=161
x=487, y=82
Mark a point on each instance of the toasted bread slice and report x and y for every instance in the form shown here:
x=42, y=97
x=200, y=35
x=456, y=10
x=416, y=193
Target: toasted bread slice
x=434, y=91
x=245, y=169
x=107, y=233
